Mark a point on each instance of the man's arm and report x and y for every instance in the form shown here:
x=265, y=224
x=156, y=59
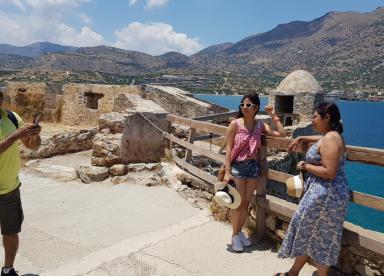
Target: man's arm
x=26, y=134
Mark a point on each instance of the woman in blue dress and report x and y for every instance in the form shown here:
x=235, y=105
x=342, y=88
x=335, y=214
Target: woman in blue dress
x=316, y=227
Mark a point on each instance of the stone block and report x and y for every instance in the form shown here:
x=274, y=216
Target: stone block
x=118, y=170
x=106, y=149
x=89, y=174
x=113, y=121
x=141, y=141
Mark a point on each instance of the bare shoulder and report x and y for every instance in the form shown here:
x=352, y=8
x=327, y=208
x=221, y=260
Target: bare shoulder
x=232, y=125
x=332, y=140
x=333, y=136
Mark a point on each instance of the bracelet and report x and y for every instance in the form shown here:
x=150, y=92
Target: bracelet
x=229, y=169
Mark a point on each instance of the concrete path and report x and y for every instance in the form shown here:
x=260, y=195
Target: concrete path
x=72, y=228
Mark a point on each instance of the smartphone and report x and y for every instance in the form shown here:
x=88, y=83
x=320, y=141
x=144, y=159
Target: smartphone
x=36, y=121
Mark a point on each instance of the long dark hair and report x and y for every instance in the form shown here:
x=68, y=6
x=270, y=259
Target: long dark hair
x=334, y=114
x=254, y=98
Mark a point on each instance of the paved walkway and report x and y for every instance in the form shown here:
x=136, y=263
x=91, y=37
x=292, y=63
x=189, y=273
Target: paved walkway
x=72, y=228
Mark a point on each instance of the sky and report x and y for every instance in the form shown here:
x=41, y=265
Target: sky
x=156, y=26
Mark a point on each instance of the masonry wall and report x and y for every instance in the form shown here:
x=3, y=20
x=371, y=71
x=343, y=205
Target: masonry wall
x=178, y=102
x=25, y=98
x=82, y=104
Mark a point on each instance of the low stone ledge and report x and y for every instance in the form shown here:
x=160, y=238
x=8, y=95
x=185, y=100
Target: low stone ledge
x=68, y=141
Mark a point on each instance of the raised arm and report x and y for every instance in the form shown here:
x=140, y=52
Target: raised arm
x=280, y=131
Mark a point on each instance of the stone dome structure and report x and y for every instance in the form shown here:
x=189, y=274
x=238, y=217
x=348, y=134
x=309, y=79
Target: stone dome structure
x=296, y=97
x=299, y=81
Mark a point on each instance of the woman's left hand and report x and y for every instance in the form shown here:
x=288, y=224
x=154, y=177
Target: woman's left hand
x=269, y=110
x=299, y=165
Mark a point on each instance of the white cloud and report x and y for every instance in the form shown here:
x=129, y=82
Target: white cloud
x=46, y=24
x=86, y=37
x=133, y=2
x=155, y=39
x=86, y=19
x=156, y=3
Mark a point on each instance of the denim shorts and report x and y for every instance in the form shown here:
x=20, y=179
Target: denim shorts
x=245, y=169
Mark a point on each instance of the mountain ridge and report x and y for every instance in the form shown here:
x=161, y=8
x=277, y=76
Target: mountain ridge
x=341, y=49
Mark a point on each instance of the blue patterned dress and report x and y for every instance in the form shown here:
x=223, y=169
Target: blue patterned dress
x=317, y=225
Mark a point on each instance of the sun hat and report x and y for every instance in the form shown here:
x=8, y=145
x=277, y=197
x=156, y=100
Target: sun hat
x=295, y=185
x=226, y=195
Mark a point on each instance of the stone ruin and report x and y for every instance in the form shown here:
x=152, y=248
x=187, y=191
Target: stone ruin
x=107, y=119
x=296, y=96
x=84, y=103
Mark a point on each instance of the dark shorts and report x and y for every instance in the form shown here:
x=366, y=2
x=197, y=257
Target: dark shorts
x=11, y=213
x=245, y=169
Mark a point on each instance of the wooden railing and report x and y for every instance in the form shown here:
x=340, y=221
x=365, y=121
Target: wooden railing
x=368, y=239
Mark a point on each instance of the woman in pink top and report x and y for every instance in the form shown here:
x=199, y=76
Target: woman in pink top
x=241, y=165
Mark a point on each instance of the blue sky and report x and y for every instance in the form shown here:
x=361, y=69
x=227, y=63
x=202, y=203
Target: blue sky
x=156, y=26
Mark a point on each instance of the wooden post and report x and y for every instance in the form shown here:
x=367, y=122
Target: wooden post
x=191, y=138
x=261, y=190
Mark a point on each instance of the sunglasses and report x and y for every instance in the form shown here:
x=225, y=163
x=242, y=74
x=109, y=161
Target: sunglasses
x=249, y=105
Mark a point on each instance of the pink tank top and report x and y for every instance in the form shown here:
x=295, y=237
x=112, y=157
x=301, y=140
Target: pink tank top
x=246, y=144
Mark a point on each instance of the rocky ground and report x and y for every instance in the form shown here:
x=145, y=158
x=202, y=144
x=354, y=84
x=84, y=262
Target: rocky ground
x=148, y=222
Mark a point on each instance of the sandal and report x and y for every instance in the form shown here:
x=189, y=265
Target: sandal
x=281, y=274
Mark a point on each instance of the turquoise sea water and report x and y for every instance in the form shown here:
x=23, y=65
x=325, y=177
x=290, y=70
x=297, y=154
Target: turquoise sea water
x=363, y=126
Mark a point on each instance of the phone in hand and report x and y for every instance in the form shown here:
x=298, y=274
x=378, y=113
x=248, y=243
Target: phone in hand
x=36, y=120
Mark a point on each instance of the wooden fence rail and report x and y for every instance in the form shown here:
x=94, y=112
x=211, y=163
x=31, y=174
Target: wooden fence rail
x=365, y=238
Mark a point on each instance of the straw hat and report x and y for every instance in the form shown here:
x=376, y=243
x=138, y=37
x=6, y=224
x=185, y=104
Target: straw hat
x=295, y=185
x=226, y=195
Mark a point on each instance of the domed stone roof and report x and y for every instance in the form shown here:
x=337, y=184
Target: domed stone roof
x=299, y=81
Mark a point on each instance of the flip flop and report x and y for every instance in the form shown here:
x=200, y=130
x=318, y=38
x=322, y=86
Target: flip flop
x=281, y=274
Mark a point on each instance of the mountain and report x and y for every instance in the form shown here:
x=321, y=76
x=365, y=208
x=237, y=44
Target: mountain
x=343, y=50
x=340, y=47
x=175, y=60
x=34, y=50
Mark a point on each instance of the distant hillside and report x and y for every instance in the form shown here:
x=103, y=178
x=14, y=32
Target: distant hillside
x=34, y=50
x=339, y=47
x=342, y=50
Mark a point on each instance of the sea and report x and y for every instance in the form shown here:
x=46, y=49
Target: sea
x=363, y=126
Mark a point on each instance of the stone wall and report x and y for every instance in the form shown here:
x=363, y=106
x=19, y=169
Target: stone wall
x=67, y=141
x=26, y=99
x=179, y=102
x=303, y=103
x=84, y=103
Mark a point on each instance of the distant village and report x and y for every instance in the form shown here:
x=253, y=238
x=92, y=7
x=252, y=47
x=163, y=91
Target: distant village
x=354, y=96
